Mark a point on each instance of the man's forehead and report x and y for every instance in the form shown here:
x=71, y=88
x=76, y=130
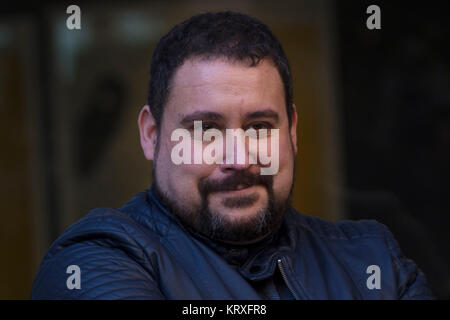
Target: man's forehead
x=196, y=72
x=222, y=86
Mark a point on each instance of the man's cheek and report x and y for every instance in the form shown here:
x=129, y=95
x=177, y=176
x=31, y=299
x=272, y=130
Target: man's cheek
x=186, y=177
x=283, y=182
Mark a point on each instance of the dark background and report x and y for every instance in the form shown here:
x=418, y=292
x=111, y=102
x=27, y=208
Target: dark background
x=396, y=106
x=374, y=105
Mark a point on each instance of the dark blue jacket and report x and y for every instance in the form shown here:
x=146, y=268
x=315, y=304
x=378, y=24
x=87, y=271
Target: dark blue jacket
x=141, y=251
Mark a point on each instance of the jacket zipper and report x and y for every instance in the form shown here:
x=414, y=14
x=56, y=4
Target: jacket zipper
x=283, y=275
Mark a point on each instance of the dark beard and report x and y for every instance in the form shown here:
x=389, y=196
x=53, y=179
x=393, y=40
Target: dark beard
x=214, y=225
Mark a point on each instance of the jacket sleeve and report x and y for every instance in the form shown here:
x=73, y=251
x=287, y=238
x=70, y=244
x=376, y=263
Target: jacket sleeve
x=411, y=282
x=101, y=271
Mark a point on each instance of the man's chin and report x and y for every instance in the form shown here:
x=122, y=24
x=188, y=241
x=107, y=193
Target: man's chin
x=239, y=225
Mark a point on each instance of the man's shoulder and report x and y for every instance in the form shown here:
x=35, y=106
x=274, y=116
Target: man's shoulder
x=105, y=227
x=338, y=230
x=348, y=239
x=356, y=247
x=109, y=246
x=129, y=228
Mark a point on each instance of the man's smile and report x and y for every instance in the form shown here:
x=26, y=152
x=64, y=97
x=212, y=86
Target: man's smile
x=240, y=190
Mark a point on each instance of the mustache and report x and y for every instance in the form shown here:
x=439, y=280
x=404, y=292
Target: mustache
x=238, y=178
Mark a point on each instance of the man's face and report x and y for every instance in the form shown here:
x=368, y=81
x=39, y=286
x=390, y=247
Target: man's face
x=228, y=202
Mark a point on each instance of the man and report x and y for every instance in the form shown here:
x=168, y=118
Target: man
x=222, y=228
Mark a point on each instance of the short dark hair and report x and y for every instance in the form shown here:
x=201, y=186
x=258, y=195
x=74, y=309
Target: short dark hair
x=226, y=34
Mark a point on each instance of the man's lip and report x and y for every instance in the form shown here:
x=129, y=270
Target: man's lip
x=240, y=188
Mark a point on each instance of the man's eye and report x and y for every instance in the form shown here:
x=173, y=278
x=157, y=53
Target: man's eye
x=208, y=125
x=260, y=125
x=205, y=126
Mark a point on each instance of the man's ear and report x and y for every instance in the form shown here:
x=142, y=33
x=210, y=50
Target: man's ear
x=148, y=132
x=293, y=129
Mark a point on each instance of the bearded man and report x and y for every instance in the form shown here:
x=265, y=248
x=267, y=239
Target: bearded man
x=222, y=230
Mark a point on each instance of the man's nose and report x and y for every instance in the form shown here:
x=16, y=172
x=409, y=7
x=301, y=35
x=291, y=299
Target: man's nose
x=237, y=155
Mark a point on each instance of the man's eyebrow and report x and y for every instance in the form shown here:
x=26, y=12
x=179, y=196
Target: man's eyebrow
x=201, y=115
x=268, y=113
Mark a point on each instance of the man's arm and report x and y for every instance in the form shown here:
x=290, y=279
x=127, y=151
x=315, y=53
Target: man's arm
x=412, y=283
x=104, y=273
